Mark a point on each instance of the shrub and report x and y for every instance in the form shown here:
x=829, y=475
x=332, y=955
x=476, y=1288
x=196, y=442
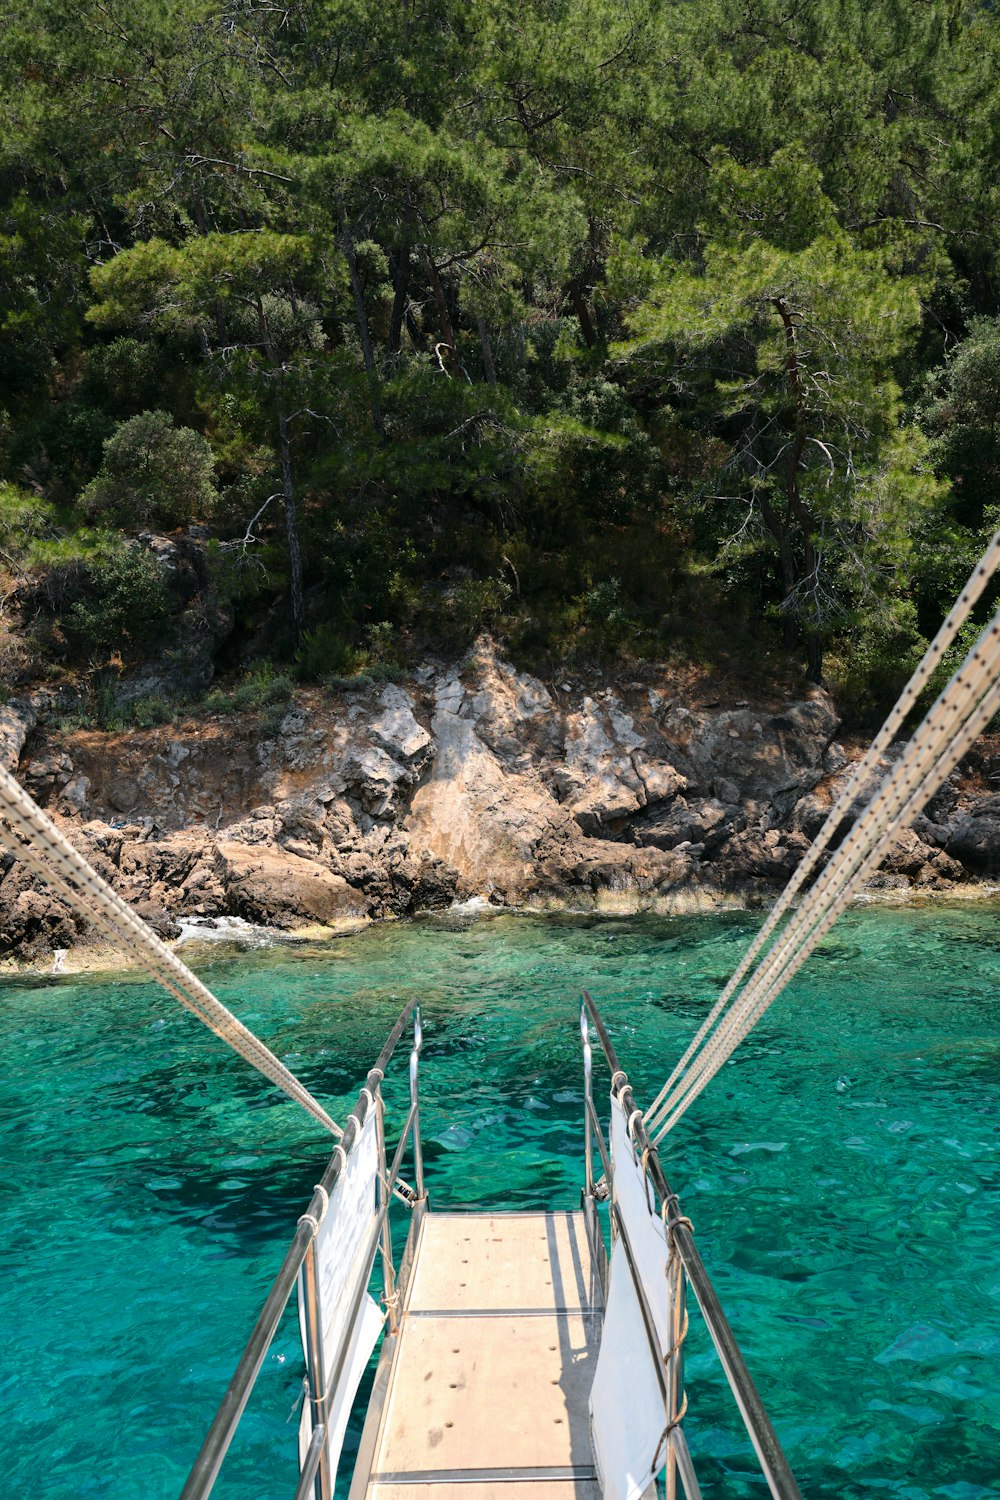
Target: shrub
x=124, y=606
x=326, y=652
x=23, y=518
x=153, y=474
x=147, y=713
x=259, y=688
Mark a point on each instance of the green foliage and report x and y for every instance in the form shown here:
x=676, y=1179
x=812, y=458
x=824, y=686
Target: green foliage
x=466, y=608
x=325, y=652
x=794, y=349
x=327, y=655
x=123, y=606
x=261, y=688
x=153, y=474
x=150, y=711
x=174, y=286
x=23, y=518
x=962, y=413
x=125, y=377
x=646, y=321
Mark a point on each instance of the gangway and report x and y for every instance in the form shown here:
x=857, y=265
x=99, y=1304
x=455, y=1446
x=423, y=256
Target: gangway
x=487, y=1383
x=493, y=1324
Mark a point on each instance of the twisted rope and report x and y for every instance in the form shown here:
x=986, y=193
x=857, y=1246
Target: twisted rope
x=961, y=712
x=37, y=843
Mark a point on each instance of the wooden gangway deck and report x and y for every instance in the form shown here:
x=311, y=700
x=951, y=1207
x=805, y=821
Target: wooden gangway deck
x=485, y=1386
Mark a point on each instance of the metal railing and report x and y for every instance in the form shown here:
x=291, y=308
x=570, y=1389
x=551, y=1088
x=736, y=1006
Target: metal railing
x=315, y=1479
x=770, y=1456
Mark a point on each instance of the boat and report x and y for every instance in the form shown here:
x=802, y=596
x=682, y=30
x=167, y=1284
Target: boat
x=491, y=1325
x=534, y=1354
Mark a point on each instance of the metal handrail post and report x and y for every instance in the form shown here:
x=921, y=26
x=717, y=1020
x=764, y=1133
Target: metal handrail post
x=219, y=1436
x=588, y=1068
x=675, y=1388
x=774, y=1465
x=306, y=1488
x=418, y=1155
x=385, y=1195
x=316, y=1367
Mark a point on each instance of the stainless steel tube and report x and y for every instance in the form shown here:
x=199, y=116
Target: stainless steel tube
x=213, y=1450
x=588, y=1067
x=418, y=1155
x=606, y=1161
x=384, y=1197
x=316, y=1365
x=305, y=1488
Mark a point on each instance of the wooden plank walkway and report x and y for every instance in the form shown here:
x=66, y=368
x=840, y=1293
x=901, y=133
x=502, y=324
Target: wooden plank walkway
x=487, y=1384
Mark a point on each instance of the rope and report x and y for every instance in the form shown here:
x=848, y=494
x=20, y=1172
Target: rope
x=915, y=779
x=35, y=840
x=794, y=947
x=859, y=781
x=961, y=712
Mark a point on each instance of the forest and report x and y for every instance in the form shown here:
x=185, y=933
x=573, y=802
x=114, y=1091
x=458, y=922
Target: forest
x=340, y=331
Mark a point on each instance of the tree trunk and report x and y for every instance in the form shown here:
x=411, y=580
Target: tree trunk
x=287, y=479
x=814, y=656
x=798, y=516
x=783, y=538
x=487, y=347
x=360, y=313
x=400, y=285
x=291, y=527
x=417, y=336
x=445, y=324
x=583, y=314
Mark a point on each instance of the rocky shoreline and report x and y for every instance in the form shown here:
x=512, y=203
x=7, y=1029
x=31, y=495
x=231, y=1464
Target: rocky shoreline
x=470, y=782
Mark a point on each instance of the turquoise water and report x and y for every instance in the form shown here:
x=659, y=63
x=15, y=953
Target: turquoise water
x=842, y=1174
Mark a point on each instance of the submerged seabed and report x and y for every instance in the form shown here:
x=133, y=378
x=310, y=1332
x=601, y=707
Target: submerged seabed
x=839, y=1173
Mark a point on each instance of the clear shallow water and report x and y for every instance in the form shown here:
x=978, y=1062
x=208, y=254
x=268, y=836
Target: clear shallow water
x=841, y=1171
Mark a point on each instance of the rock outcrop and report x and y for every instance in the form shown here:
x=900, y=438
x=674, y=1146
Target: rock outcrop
x=481, y=782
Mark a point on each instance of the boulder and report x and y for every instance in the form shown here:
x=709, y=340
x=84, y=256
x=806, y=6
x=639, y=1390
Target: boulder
x=744, y=756
x=396, y=729
x=33, y=921
x=974, y=837
x=17, y=719
x=475, y=815
x=604, y=778
x=268, y=885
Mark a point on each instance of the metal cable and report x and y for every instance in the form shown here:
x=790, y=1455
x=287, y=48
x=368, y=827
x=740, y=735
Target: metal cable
x=960, y=713
x=860, y=779
x=35, y=840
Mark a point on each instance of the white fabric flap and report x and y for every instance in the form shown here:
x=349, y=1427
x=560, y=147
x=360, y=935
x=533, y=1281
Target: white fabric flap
x=627, y=1412
x=627, y=1415
x=344, y=1257
x=363, y=1341
x=646, y=1235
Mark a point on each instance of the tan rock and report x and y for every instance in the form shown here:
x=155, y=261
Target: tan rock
x=474, y=814
x=270, y=885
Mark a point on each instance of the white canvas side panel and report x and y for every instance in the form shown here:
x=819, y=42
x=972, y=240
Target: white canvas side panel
x=627, y=1417
x=344, y=1257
